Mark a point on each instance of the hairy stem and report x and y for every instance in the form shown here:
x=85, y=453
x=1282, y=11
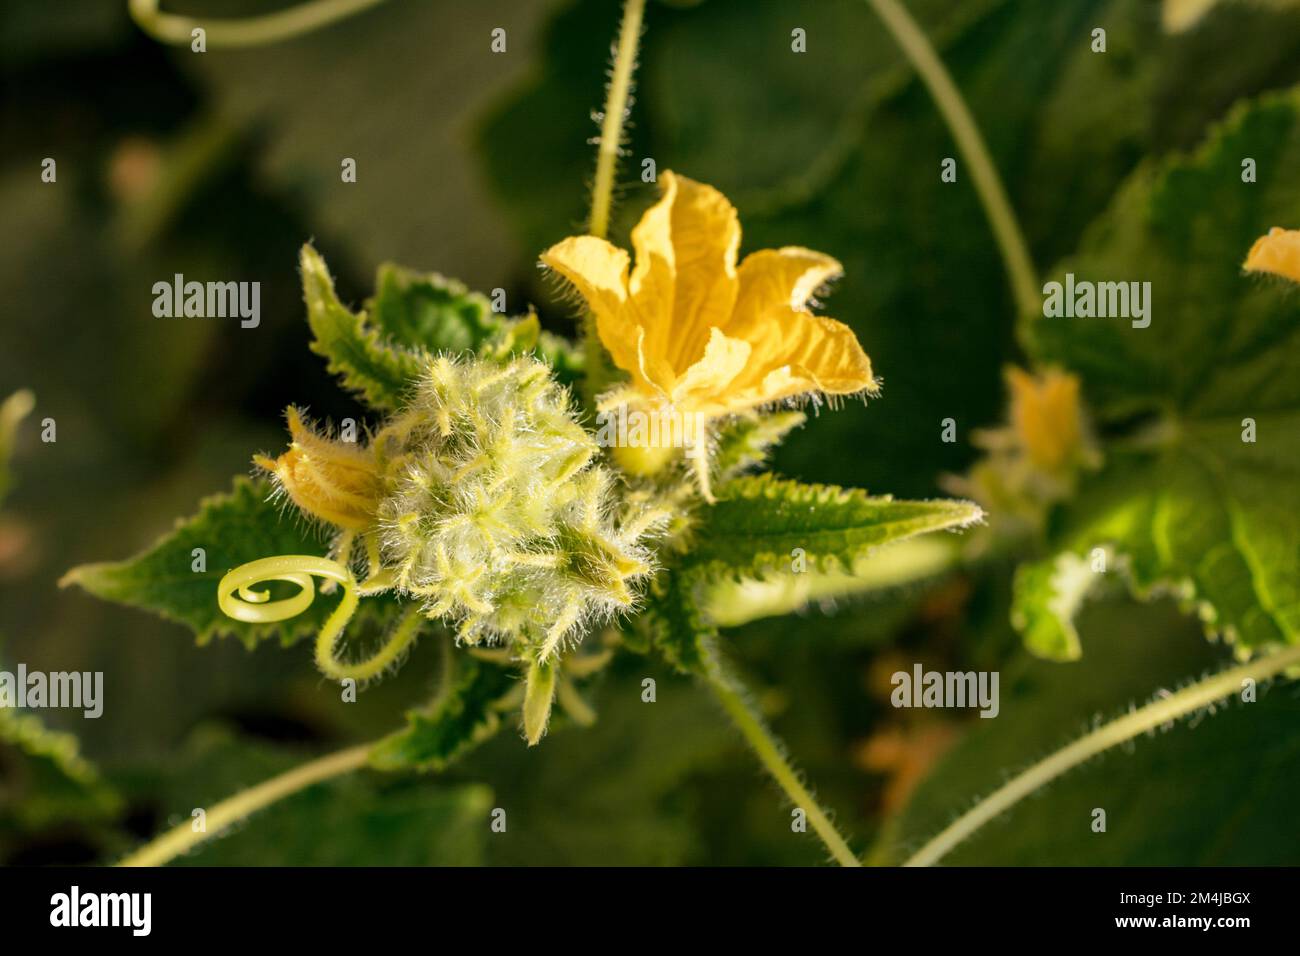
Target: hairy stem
x=602, y=190
x=327, y=659
x=769, y=752
x=611, y=125
x=250, y=31
x=988, y=185
x=1153, y=715
x=182, y=838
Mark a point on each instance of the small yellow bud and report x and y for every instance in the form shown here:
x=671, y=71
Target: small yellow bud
x=332, y=480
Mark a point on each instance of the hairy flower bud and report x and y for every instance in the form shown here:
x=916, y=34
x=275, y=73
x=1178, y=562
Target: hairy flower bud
x=484, y=499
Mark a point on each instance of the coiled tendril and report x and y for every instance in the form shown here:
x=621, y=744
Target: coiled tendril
x=239, y=597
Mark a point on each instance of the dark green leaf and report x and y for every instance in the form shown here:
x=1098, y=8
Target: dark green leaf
x=672, y=622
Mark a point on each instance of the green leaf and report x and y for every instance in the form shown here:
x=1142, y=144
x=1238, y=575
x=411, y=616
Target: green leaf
x=760, y=522
x=232, y=529
x=1218, y=789
x=732, y=601
x=426, y=310
x=738, y=568
x=381, y=351
x=463, y=715
x=379, y=370
x=1186, y=501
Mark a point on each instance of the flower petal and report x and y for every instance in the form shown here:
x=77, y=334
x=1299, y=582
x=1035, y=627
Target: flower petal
x=794, y=351
x=598, y=270
x=706, y=385
x=812, y=354
x=694, y=232
x=653, y=278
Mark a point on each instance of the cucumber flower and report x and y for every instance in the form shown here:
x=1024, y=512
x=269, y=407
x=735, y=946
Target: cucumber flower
x=701, y=337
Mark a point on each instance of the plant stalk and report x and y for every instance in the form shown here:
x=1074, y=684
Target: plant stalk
x=182, y=838
x=769, y=752
x=988, y=185
x=250, y=31
x=598, y=371
x=611, y=125
x=1122, y=729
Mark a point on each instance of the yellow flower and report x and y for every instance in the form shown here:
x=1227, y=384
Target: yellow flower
x=1047, y=417
x=335, y=481
x=699, y=335
x=1278, y=253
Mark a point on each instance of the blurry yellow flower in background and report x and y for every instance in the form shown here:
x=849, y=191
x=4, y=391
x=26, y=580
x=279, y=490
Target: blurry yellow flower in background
x=1045, y=415
x=699, y=335
x=1277, y=253
x=1034, y=460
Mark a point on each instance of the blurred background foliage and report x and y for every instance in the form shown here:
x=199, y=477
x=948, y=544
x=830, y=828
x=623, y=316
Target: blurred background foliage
x=469, y=163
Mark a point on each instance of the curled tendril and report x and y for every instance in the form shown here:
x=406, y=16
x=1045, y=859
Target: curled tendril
x=239, y=598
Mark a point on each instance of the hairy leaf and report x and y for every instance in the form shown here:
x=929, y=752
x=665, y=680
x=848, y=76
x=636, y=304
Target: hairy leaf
x=673, y=622
x=380, y=370
x=732, y=601
x=380, y=351
x=232, y=529
x=426, y=310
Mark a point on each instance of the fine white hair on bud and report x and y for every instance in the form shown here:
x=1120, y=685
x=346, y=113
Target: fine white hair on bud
x=496, y=513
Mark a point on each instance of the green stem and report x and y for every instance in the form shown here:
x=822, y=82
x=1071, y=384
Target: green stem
x=768, y=750
x=611, y=126
x=250, y=31
x=326, y=652
x=1153, y=715
x=183, y=838
x=988, y=185
x=598, y=371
